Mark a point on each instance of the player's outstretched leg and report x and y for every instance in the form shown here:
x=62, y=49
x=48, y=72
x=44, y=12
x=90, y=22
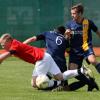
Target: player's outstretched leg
x=90, y=76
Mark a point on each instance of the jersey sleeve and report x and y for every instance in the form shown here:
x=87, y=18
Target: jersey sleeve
x=67, y=25
x=93, y=26
x=40, y=37
x=14, y=46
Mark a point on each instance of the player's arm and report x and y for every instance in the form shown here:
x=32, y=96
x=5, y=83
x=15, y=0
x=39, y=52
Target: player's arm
x=4, y=56
x=29, y=40
x=34, y=38
x=98, y=32
x=95, y=28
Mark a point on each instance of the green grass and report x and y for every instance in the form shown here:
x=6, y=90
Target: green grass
x=15, y=76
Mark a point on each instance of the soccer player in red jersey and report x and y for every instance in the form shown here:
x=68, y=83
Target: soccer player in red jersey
x=44, y=63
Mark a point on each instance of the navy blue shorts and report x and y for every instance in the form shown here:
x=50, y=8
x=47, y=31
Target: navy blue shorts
x=77, y=56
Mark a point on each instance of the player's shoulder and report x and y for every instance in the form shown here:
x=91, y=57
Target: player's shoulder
x=70, y=22
x=45, y=33
x=52, y=32
x=48, y=32
x=89, y=20
x=15, y=41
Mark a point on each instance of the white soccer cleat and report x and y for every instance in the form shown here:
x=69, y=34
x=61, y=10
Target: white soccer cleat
x=88, y=72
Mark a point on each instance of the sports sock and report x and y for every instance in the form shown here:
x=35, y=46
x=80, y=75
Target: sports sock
x=53, y=83
x=98, y=67
x=76, y=85
x=71, y=73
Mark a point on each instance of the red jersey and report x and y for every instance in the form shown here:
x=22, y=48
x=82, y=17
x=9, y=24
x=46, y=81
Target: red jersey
x=26, y=52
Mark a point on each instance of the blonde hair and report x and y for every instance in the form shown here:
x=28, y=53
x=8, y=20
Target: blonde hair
x=6, y=37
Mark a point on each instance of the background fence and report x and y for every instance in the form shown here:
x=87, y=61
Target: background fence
x=25, y=18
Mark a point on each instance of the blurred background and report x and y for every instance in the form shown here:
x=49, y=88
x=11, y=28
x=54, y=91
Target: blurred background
x=25, y=18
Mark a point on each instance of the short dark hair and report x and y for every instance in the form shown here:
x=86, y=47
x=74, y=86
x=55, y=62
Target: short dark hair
x=61, y=29
x=79, y=7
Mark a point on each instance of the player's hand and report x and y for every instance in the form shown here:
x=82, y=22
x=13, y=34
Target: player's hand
x=68, y=33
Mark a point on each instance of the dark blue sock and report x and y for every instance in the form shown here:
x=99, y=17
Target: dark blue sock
x=98, y=67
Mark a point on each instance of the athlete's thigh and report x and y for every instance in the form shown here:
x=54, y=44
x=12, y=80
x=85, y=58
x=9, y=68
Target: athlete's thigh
x=47, y=65
x=61, y=63
x=42, y=66
x=75, y=61
x=72, y=66
x=53, y=69
x=89, y=55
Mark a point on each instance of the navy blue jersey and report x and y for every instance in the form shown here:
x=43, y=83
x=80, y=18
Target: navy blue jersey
x=56, y=46
x=77, y=33
x=77, y=53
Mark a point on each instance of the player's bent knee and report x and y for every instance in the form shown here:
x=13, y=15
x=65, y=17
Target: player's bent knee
x=59, y=76
x=92, y=59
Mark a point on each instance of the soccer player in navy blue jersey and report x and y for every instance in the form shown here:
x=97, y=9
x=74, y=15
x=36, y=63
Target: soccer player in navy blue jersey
x=56, y=45
x=79, y=31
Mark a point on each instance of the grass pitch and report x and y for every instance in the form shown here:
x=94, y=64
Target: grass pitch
x=15, y=77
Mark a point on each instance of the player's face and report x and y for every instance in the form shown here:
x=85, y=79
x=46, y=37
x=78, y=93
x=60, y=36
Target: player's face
x=5, y=45
x=75, y=15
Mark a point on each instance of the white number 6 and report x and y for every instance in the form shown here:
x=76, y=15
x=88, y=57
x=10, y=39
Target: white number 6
x=59, y=40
